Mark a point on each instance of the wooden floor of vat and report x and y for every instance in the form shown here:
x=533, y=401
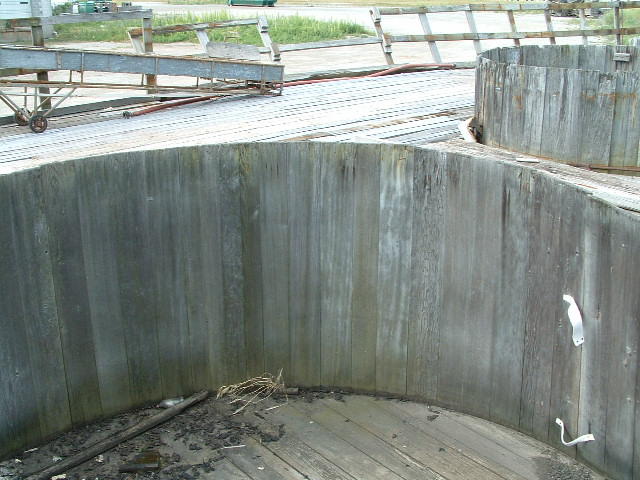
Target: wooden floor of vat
x=320, y=437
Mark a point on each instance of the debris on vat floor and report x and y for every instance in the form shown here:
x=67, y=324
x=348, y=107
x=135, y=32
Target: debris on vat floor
x=185, y=447
x=555, y=467
x=300, y=436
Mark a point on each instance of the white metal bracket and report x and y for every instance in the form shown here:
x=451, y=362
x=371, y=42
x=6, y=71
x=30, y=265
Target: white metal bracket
x=581, y=439
x=576, y=320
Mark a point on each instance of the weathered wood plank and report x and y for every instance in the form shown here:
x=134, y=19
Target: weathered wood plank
x=365, y=441
x=544, y=281
x=135, y=264
x=499, y=7
x=304, y=264
x=252, y=260
x=624, y=342
x=394, y=430
x=201, y=249
x=19, y=421
x=394, y=268
x=595, y=307
x=550, y=34
x=164, y=188
x=470, y=286
x=273, y=172
x=340, y=452
x=506, y=351
x=433, y=46
x=59, y=185
x=336, y=263
x=34, y=277
x=191, y=27
x=364, y=300
x=454, y=430
x=98, y=206
x=625, y=134
x=232, y=274
x=598, y=99
x=428, y=219
x=565, y=380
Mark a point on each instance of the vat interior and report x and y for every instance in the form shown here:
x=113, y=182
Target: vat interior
x=376, y=268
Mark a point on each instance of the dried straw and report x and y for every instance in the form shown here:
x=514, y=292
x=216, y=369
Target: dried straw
x=252, y=391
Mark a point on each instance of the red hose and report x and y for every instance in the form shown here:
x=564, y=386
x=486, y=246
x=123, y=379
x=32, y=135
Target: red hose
x=162, y=106
x=371, y=75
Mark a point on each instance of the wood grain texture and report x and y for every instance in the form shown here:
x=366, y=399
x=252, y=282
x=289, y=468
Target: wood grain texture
x=394, y=267
x=435, y=273
x=544, y=281
x=427, y=249
x=135, y=264
x=273, y=168
x=336, y=263
x=304, y=192
x=18, y=425
x=59, y=184
x=97, y=210
x=252, y=259
x=364, y=300
x=571, y=103
x=232, y=275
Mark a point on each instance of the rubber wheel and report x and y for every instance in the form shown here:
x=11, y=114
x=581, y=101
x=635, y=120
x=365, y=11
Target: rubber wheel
x=38, y=123
x=20, y=119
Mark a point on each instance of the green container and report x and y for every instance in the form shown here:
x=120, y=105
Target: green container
x=86, y=7
x=255, y=3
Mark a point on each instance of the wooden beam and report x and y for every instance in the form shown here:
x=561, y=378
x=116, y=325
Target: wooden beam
x=349, y=42
x=79, y=18
x=498, y=7
x=472, y=26
x=451, y=37
x=547, y=21
x=433, y=46
x=190, y=27
x=512, y=25
x=385, y=43
x=583, y=26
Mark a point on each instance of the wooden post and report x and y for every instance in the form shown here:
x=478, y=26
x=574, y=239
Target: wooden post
x=433, y=47
x=147, y=39
x=385, y=45
x=512, y=24
x=547, y=20
x=37, y=34
x=472, y=26
x=583, y=26
x=616, y=24
x=263, y=31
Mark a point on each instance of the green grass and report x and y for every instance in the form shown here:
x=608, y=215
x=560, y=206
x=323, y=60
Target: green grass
x=630, y=18
x=294, y=29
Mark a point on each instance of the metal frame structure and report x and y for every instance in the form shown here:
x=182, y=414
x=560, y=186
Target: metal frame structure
x=226, y=77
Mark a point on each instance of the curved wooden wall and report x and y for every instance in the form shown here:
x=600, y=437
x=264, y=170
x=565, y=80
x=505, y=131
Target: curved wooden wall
x=571, y=103
x=436, y=275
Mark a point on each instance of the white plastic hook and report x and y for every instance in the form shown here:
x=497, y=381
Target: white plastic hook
x=582, y=439
x=576, y=320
